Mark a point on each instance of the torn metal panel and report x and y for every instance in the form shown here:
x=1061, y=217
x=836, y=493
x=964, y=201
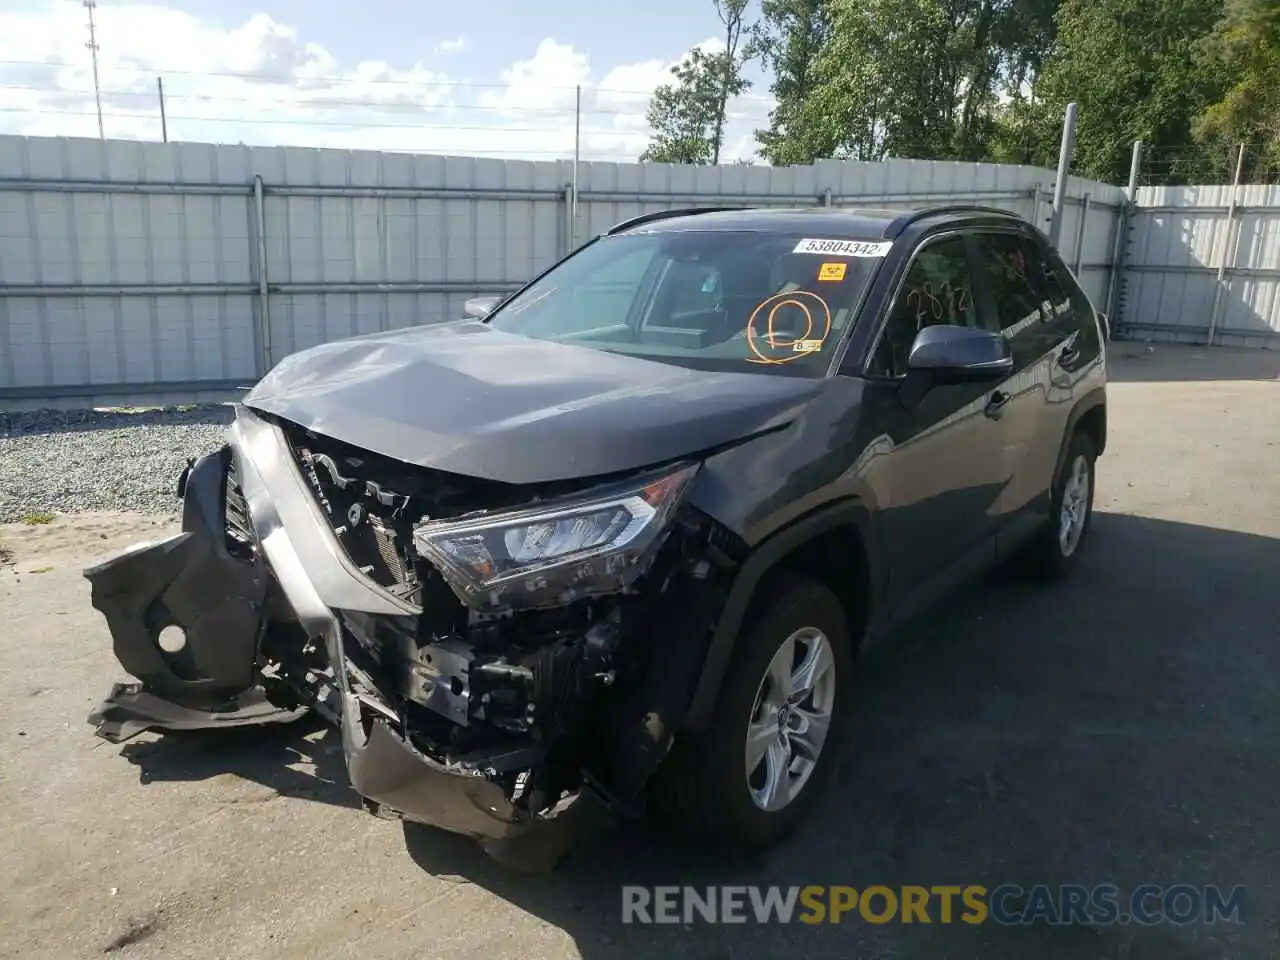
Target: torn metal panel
x=520, y=720
x=130, y=710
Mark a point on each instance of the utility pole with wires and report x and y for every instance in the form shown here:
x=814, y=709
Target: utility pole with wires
x=93, y=50
x=164, y=123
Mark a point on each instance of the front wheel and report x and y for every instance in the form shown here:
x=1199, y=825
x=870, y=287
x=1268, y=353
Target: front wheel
x=753, y=775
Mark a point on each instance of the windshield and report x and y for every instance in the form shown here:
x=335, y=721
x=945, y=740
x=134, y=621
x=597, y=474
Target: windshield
x=712, y=300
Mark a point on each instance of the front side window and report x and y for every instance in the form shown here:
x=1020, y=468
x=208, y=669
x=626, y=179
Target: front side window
x=936, y=290
x=717, y=300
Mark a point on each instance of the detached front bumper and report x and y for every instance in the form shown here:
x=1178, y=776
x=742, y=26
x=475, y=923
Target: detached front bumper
x=219, y=601
x=188, y=588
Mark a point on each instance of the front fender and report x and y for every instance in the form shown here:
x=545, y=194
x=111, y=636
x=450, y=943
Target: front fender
x=753, y=570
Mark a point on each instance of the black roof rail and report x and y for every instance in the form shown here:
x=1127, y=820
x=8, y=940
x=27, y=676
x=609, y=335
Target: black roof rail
x=900, y=223
x=665, y=215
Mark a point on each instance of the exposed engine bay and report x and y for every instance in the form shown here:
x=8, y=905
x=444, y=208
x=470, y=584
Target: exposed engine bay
x=514, y=647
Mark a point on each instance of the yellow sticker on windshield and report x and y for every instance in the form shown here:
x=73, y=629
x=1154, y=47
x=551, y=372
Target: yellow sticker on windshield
x=832, y=271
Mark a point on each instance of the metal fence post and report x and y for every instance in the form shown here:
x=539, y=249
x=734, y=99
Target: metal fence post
x=1229, y=244
x=1120, y=244
x=164, y=122
x=1064, y=171
x=1084, y=219
x=577, y=148
x=1135, y=171
x=570, y=220
x=264, y=290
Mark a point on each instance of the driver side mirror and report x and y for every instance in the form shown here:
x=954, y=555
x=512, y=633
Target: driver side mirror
x=952, y=354
x=481, y=307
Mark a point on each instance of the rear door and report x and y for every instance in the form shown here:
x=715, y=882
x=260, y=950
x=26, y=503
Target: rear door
x=1012, y=289
x=1035, y=301
x=944, y=464
x=1075, y=349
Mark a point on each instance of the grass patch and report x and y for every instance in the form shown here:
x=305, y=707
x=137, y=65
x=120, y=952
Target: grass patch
x=38, y=518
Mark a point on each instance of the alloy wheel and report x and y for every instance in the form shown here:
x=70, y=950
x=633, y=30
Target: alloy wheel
x=1075, y=506
x=790, y=719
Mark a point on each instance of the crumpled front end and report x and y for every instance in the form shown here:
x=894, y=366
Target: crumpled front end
x=506, y=662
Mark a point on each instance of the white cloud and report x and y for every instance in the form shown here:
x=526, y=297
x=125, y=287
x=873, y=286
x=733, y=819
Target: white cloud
x=546, y=81
x=261, y=82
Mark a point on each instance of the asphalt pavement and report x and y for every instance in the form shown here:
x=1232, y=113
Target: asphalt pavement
x=1120, y=728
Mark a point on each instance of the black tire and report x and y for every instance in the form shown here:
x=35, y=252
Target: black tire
x=702, y=790
x=1048, y=557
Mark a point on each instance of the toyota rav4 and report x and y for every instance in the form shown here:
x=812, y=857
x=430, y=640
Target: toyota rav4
x=614, y=543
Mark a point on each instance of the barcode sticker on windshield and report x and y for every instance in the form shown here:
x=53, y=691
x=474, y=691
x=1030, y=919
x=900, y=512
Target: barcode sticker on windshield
x=845, y=248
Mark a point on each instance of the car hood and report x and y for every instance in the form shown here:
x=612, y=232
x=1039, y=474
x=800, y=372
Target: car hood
x=469, y=399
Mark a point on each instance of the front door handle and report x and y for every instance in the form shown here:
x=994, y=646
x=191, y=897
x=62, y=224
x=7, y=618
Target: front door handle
x=995, y=406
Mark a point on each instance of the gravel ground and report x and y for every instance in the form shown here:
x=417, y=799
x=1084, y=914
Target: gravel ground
x=72, y=461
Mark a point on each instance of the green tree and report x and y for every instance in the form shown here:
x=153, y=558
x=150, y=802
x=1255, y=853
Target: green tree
x=1136, y=69
x=687, y=117
x=790, y=36
x=910, y=78
x=1244, y=50
x=736, y=53
x=682, y=115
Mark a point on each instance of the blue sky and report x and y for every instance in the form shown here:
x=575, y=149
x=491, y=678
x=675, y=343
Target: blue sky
x=497, y=32
x=495, y=77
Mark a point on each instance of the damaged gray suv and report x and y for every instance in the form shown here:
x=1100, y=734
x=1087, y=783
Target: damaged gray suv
x=614, y=544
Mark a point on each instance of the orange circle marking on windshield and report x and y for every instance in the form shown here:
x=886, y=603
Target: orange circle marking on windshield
x=804, y=344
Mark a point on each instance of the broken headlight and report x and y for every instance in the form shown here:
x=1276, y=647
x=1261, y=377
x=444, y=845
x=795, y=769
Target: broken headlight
x=558, y=552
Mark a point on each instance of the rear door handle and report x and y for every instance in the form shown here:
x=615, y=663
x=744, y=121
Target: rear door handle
x=995, y=406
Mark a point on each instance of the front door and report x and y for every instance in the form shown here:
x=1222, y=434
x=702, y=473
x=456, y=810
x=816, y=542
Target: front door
x=945, y=464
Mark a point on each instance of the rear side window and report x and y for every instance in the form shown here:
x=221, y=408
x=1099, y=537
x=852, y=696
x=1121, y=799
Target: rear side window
x=1015, y=273
x=936, y=290
x=1064, y=296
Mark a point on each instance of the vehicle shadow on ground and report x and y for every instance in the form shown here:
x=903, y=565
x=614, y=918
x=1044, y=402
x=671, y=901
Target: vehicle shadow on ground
x=1018, y=734
x=1117, y=728
x=1135, y=361
x=302, y=759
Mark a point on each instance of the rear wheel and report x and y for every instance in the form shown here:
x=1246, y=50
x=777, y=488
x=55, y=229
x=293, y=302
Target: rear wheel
x=1055, y=553
x=753, y=775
